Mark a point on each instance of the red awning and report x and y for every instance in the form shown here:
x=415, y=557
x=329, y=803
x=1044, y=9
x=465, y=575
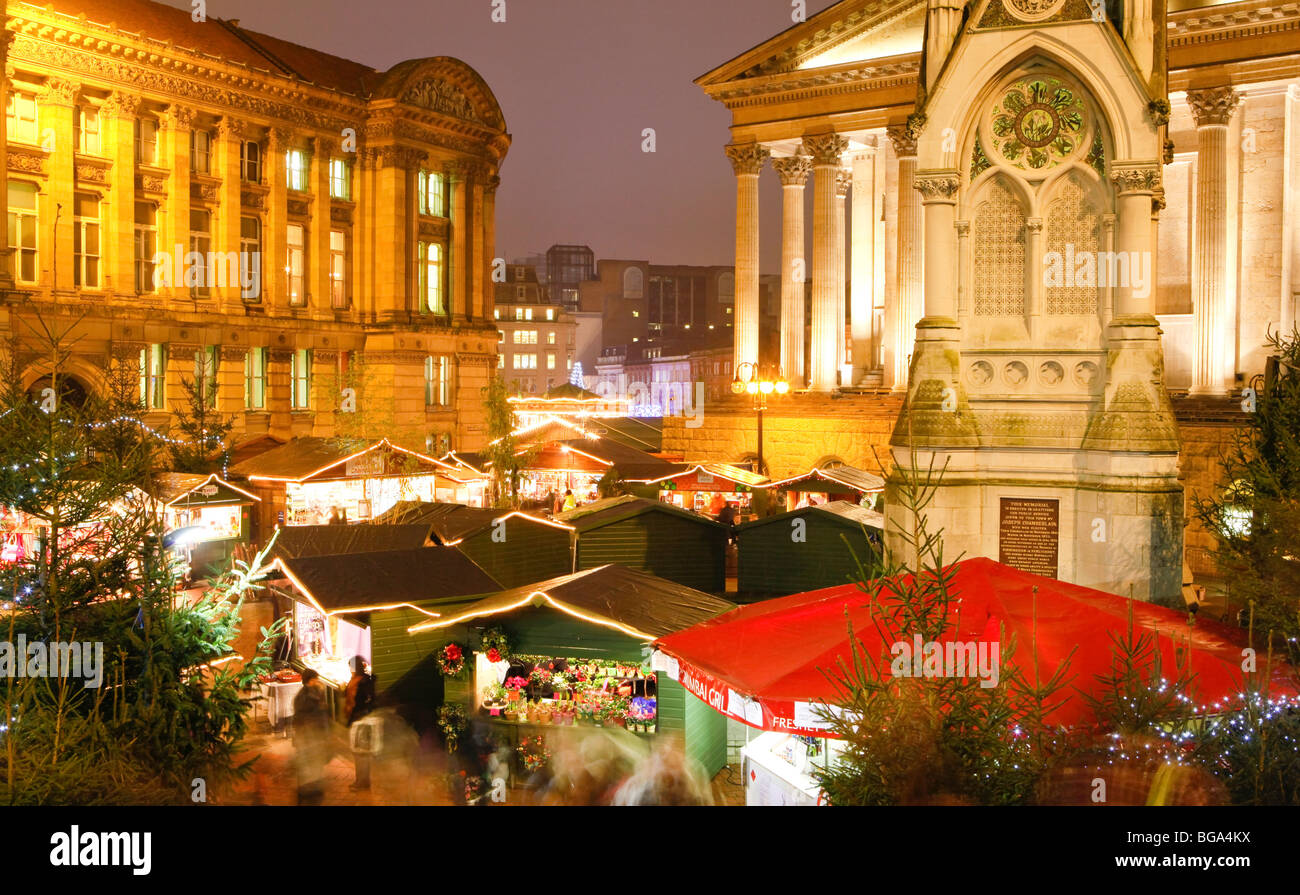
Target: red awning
x=762, y=663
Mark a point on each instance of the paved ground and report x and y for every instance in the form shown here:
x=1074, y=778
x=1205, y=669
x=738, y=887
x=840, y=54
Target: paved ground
x=415, y=775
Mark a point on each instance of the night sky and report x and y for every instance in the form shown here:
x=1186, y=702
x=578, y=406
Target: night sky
x=578, y=81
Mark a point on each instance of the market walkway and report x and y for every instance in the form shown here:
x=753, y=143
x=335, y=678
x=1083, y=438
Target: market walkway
x=417, y=780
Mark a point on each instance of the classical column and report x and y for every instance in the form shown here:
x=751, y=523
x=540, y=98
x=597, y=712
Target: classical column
x=1212, y=110
x=843, y=181
x=6, y=37
x=1033, y=249
x=747, y=161
x=490, y=244
x=478, y=286
x=963, y=269
x=458, y=250
x=793, y=172
x=119, y=218
x=58, y=108
x=907, y=300
x=275, y=240
x=863, y=264
x=177, y=123
x=825, y=150
x=319, y=294
x=938, y=190
x=1134, y=187
x=226, y=232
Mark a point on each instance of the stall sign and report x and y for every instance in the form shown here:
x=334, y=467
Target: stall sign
x=765, y=714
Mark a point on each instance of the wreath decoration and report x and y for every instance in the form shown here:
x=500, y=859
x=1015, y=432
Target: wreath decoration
x=451, y=660
x=452, y=721
x=496, y=645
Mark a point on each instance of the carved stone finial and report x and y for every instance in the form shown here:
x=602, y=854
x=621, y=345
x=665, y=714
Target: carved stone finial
x=793, y=170
x=747, y=158
x=1213, y=106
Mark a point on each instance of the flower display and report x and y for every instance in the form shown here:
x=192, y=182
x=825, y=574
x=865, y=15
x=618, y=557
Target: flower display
x=493, y=655
x=451, y=660
x=516, y=683
x=533, y=753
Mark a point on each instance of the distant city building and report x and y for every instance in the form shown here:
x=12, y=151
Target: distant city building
x=536, y=339
x=567, y=268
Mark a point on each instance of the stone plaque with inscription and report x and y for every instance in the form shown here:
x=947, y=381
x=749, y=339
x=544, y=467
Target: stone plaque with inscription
x=1029, y=534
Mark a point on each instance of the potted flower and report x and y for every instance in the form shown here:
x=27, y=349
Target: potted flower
x=561, y=684
x=494, y=698
x=513, y=686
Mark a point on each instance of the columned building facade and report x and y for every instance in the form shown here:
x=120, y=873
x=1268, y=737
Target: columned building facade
x=1068, y=236
x=212, y=202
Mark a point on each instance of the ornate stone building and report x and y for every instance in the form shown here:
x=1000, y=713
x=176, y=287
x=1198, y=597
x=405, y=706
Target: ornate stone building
x=1066, y=228
x=205, y=200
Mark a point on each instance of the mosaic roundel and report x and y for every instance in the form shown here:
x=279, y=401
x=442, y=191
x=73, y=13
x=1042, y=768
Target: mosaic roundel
x=1038, y=122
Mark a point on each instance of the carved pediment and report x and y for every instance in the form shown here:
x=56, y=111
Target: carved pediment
x=443, y=97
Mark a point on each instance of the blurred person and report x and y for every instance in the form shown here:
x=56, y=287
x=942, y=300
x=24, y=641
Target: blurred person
x=665, y=778
x=311, y=733
x=570, y=502
x=359, y=700
x=728, y=514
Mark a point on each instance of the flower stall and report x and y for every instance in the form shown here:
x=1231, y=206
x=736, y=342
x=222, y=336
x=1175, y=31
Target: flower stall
x=572, y=652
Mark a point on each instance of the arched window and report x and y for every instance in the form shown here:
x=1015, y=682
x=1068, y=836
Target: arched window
x=998, y=242
x=633, y=283
x=1070, y=275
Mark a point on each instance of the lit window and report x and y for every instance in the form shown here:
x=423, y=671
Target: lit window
x=255, y=379
x=196, y=274
x=22, y=231
x=296, y=170
x=430, y=270
x=250, y=257
x=295, y=266
x=437, y=381
x=550, y=361
x=501, y=361
x=205, y=373
x=85, y=241
x=20, y=114
x=431, y=193
x=146, y=141
x=200, y=152
x=340, y=182
x=525, y=362
x=550, y=313
x=525, y=337
x=89, y=139
x=250, y=161
x=153, y=377
x=550, y=338
x=300, y=378
x=146, y=242
x=338, y=269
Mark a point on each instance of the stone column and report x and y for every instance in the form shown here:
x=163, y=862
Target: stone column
x=1034, y=249
x=863, y=266
x=793, y=172
x=177, y=122
x=226, y=229
x=1134, y=187
x=490, y=245
x=1212, y=110
x=843, y=181
x=6, y=37
x=458, y=249
x=939, y=200
x=57, y=105
x=747, y=161
x=907, y=301
x=275, y=239
x=119, y=218
x=477, y=285
x=319, y=300
x=963, y=269
x=825, y=150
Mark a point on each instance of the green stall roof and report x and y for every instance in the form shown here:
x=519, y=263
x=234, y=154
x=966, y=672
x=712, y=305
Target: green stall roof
x=805, y=549
x=329, y=540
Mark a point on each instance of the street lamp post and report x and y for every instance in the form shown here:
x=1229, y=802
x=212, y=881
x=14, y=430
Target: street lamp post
x=759, y=383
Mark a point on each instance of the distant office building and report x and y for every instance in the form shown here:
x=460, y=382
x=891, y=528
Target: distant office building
x=567, y=268
x=536, y=339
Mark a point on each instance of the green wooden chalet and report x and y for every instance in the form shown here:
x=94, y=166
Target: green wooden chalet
x=806, y=549
x=608, y=613
x=653, y=537
x=514, y=548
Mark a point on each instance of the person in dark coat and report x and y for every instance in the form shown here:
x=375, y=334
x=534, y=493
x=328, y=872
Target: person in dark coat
x=359, y=699
x=311, y=732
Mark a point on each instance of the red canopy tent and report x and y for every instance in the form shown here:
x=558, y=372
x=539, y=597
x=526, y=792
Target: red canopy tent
x=761, y=663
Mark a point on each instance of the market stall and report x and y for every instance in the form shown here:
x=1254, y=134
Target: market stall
x=762, y=665
x=805, y=549
x=328, y=540
x=706, y=488
x=572, y=652
x=515, y=548
x=311, y=481
x=651, y=536
x=829, y=484
x=360, y=604
x=215, y=515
